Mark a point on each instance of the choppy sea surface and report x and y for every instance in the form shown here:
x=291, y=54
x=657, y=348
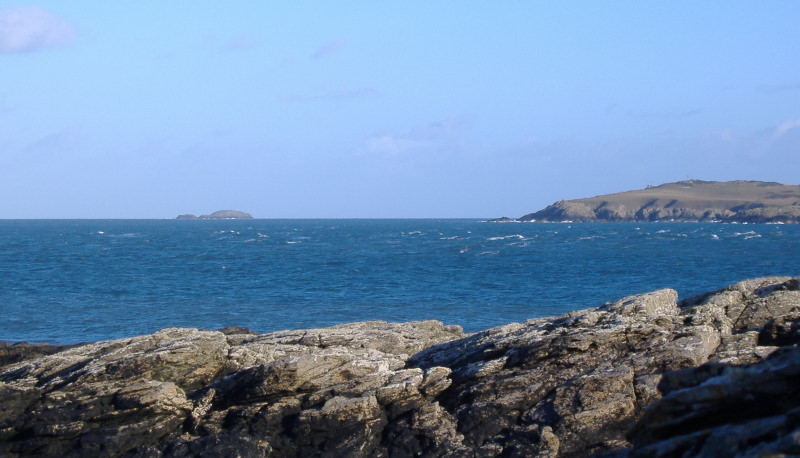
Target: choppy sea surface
x=69, y=281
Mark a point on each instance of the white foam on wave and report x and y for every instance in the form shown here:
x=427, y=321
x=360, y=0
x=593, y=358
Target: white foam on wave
x=506, y=237
x=127, y=235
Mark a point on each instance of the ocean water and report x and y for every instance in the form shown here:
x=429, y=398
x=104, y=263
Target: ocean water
x=69, y=281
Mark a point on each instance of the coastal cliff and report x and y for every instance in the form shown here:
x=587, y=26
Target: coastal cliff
x=646, y=375
x=691, y=200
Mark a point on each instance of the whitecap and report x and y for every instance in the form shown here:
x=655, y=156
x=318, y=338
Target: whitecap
x=506, y=237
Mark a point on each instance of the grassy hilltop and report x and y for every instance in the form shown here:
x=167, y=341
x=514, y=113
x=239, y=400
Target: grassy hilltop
x=691, y=200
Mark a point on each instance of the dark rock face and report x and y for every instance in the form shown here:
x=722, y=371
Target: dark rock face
x=692, y=200
x=641, y=376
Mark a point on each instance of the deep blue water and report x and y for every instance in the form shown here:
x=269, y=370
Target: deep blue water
x=67, y=281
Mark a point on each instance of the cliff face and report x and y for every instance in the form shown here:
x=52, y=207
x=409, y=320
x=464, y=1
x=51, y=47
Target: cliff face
x=642, y=376
x=693, y=200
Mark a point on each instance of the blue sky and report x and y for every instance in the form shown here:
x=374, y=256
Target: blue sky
x=301, y=109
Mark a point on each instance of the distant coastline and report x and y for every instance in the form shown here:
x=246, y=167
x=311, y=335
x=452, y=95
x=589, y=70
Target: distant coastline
x=684, y=201
x=220, y=214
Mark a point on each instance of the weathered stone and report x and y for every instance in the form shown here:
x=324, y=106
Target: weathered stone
x=723, y=410
x=584, y=383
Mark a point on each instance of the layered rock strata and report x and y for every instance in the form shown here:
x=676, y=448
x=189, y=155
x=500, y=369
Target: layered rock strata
x=646, y=375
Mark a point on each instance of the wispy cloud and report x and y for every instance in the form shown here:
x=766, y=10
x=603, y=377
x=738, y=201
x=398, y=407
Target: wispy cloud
x=786, y=126
x=392, y=144
x=54, y=143
x=329, y=48
x=240, y=43
x=347, y=94
x=422, y=137
x=30, y=28
x=666, y=114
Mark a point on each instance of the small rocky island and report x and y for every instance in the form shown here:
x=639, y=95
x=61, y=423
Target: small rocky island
x=221, y=214
x=644, y=376
x=690, y=200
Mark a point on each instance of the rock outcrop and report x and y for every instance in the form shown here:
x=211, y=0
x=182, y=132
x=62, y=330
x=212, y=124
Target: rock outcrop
x=646, y=375
x=221, y=214
x=691, y=200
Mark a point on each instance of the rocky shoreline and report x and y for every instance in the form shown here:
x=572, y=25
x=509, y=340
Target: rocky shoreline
x=647, y=375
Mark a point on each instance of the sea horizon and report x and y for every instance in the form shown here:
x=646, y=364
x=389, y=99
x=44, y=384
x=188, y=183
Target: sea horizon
x=75, y=280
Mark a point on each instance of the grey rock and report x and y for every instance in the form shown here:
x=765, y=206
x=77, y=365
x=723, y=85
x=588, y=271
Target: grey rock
x=642, y=375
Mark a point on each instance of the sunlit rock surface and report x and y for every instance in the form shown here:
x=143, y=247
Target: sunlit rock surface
x=643, y=376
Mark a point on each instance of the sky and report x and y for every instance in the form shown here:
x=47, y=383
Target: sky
x=415, y=109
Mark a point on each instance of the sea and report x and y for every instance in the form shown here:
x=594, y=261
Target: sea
x=71, y=281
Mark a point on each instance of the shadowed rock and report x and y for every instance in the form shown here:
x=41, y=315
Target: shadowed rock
x=589, y=382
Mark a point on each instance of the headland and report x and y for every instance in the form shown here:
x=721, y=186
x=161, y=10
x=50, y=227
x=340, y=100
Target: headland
x=690, y=200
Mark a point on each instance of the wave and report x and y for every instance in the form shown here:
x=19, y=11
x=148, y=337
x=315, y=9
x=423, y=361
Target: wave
x=506, y=237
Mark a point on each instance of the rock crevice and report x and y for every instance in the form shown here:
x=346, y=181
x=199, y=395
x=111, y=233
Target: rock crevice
x=646, y=375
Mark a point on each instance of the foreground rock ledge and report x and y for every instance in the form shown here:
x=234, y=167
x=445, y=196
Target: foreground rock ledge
x=644, y=376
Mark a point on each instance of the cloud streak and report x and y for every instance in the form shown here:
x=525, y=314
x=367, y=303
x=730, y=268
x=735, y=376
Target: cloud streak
x=667, y=115
x=350, y=94
x=241, y=43
x=54, y=143
x=30, y=29
x=785, y=127
x=421, y=137
x=329, y=48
